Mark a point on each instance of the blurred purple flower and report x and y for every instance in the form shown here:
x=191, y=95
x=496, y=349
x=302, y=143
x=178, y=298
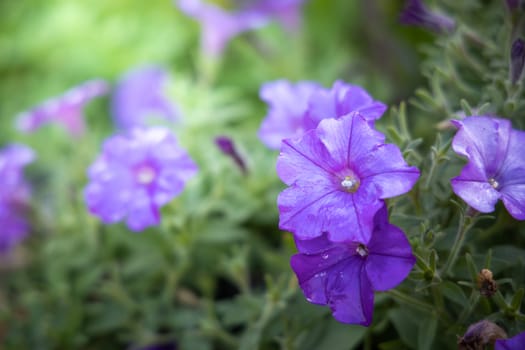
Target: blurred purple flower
x=345, y=275
x=340, y=100
x=140, y=97
x=513, y=4
x=496, y=166
x=517, y=60
x=416, y=13
x=288, y=104
x=14, y=195
x=135, y=175
x=219, y=25
x=66, y=109
x=297, y=108
x=227, y=147
x=515, y=343
x=339, y=175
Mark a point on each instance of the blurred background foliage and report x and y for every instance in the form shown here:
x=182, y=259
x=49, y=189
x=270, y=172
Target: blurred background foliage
x=215, y=274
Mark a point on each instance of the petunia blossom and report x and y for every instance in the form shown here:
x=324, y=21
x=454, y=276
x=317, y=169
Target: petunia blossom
x=339, y=175
x=140, y=98
x=515, y=343
x=66, y=109
x=340, y=100
x=219, y=25
x=496, y=167
x=14, y=195
x=344, y=275
x=288, y=104
x=297, y=108
x=135, y=175
x=416, y=13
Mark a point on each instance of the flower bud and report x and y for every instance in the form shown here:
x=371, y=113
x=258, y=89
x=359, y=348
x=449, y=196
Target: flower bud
x=480, y=334
x=416, y=13
x=517, y=60
x=486, y=285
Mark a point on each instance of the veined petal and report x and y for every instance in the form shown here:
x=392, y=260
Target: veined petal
x=513, y=198
x=480, y=195
x=390, y=258
x=385, y=167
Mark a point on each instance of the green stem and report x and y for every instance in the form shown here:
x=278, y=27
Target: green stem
x=464, y=225
x=411, y=301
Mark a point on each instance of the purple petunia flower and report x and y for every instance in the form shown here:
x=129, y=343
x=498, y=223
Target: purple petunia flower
x=220, y=26
x=288, y=105
x=14, y=195
x=515, y=343
x=496, y=166
x=339, y=175
x=297, y=108
x=135, y=175
x=140, y=97
x=66, y=109
x=416, y=13
x=340, y=100
x=344, y=275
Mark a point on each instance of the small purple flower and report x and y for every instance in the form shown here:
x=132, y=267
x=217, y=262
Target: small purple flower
x=339, y=175
x=288, y=105
x=344, y=275
x=227, y=147
x=66, y=109
x=135, y=175
x=340, y=100
x=218, y=25
x=517, y=60
x=140, y=98
x=14, y=195
x=515, y=343
x=496, y=166
x=416, y=13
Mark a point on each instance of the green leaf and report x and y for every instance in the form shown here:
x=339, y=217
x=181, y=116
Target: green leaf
x=454, y=293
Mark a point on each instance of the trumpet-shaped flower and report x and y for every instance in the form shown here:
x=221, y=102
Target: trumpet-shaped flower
x=496, y=165
x=297, y=108
x=135, y=175
x=66, y=109
x=339, y=175
x=344, y=275
x=14, y=195
x=140, y=98
x=515, y=343
x=219, y=25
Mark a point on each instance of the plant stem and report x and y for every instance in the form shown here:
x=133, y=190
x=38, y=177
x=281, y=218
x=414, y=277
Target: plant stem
x=411, y=301
x=464, y=225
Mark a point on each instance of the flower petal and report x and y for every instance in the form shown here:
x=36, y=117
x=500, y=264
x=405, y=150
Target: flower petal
x=480, y=195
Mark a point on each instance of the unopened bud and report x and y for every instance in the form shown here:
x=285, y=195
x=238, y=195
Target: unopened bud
x=416, y=13
x=517, y=60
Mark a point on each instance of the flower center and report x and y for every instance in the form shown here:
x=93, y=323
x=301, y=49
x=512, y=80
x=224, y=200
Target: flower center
x=362, y=250
x=493, y=183
x=145, y=174
x=350, y=183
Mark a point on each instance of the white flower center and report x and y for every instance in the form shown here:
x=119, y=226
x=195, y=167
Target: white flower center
x=145, y=174
x=362, y=250
x=493, y=183
x=350, y=183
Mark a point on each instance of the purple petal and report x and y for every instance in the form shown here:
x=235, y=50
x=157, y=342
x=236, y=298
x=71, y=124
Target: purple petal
x=390, y=258
x=287, y=105
x=515, y=343
x=385, y=169
x=480, y=195
x=336, y=278
x=511, y=176
x=483, y=141
x=140, y=98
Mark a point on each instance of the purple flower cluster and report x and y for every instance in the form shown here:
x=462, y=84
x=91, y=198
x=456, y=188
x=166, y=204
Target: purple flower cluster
x=219, y=25
x=297, y=108
x=496, y=167
x=135, y=175
x=339, y=173
x=14, y=195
